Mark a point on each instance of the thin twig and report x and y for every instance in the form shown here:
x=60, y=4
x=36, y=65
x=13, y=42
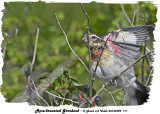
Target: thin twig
x=31, y=82
x=4, y=50
x=133, y=17
x=116, y=90
x=118, y=26
x=126, y=15
x=131, y=25
x=149, y=77
x=16, y=32
x=5, y=46
x=31, y=68
x=78, y=91
x=82, y=104
x=63, y=100
x=74, y=54
x=35, y=50
x=58, y=96
x=99, y=91
x=98, y=60
x=142, y=66
x=137, y=16
x=144, y=51
x=36, y=93
x=130, y=66
x=136, y=62
x=124, y=97
x=111, y=96
x=150, y=59
x=149, y=41
x=89, y=52
x=145, y=21
x=69, y=43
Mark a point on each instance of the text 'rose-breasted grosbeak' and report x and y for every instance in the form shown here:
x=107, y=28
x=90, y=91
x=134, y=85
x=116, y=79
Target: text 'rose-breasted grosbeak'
x=121, y=51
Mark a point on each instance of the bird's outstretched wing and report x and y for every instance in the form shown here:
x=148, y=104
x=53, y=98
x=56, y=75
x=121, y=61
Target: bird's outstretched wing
x=126, y=42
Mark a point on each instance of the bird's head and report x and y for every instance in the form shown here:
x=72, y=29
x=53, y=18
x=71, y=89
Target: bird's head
x=94, y=41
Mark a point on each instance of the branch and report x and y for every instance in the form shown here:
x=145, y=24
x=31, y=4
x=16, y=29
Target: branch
x=137, y=16
x=31, y=81
x=144, y=51
x=130, y=66
x=145, y=45
x=4, y=50
x=126, y=15
x=58, y=96
x=150, y=59
x=69, y=44
x=124, y=97
x=36, y=93
x=149, y=77
x=5, y=45
x=145, y=21
x=89, y=52
x=111, y=96
x=16, y=32
x=74, y=54
x=104, y=88
x=133, y=17
x=82, y=104
x=142, y=66
x=78, y=91
x=98, y=61
x=35, y=50
x=99, y=91
x=116, y=90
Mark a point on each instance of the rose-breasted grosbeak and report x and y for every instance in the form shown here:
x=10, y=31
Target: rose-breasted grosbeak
x=121, y=50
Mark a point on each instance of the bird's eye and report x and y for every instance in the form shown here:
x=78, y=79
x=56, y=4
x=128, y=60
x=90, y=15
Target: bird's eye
x=93, y=37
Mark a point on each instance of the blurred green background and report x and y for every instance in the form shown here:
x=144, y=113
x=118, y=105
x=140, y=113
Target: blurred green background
x=20, y=22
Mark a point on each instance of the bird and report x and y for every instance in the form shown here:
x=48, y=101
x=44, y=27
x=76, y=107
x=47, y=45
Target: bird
x=116, y=51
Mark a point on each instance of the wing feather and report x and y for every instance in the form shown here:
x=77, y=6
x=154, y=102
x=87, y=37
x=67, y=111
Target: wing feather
x=129, y=40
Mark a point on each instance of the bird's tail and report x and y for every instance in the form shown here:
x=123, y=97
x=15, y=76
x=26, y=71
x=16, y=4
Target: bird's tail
x=137, y=93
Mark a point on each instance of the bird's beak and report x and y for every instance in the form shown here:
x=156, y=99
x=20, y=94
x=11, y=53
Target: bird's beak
x=84, y=39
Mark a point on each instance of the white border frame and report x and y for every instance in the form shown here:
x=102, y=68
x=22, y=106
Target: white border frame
x=150, y=107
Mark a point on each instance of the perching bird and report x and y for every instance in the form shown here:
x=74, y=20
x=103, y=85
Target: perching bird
x=121, y=51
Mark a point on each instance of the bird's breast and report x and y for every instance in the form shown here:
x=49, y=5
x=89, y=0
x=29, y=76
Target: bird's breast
x=110, y=64
x=98, y=54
